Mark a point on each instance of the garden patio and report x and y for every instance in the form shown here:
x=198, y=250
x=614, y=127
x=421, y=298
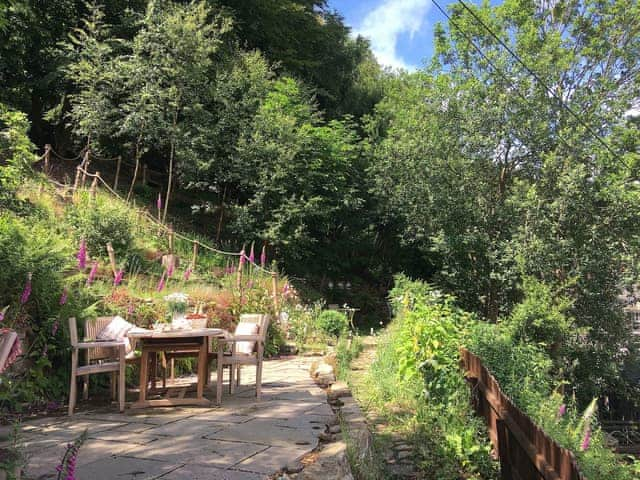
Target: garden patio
x=243, y=439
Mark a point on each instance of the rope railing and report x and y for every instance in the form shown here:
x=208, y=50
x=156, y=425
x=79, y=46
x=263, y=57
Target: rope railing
x=166, y=228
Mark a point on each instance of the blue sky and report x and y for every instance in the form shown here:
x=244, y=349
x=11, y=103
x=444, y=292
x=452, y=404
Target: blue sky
x=401, y=31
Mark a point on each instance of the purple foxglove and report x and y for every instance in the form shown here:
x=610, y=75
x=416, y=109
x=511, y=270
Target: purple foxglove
x=26, y=292
x=586, y=440
x=252, y=257
x=159, y=202
x=161, y=283
x=63, y=297
x=92, y=273
x=187, y=274
x=263, y=256
x=117, y=280
x=243, y=257
x=2, y=312
x=562, y=410
x=82, y=255
x=170, y=268
x=54, y=328
x=286, y=288
x=130, y=309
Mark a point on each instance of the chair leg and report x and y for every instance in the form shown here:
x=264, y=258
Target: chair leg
x=259, y=379
x=231, y=375
x=122, y=374
x=85, y=387
x=172, y=375
x=113, y=384
x=238, y=376
x=73, y=388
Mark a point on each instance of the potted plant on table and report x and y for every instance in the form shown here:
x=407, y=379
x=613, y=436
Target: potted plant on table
x=177, y=303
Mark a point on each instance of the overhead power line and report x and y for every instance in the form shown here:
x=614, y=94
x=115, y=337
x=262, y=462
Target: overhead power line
x=488, y=60
x=537, y=78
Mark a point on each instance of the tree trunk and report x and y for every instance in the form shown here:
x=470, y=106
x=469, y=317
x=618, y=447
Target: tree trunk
x=171, y=159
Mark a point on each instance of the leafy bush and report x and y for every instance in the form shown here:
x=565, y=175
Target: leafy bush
x=333, y=322
x=346, y=351
x=101, y=221
x=416, y=376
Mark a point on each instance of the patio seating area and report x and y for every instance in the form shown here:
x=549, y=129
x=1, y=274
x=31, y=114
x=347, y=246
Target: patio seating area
x=245, y=438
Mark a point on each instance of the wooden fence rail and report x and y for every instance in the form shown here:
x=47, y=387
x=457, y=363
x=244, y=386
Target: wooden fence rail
x=525, y=451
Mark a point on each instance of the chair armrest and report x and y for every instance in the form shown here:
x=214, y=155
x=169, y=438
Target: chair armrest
x=114, y=343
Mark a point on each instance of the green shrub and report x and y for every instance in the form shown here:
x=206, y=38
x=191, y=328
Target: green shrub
x=101, y=221
x=333, y=322
x=346, y=351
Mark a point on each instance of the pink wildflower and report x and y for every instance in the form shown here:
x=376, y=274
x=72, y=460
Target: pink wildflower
x=63, y=297
x=187, y=274
x=170, y=268
x=130, y=309
x=159, y=202
x=54, y=328
x=286, y=289
x=562, y=410
x=162, y=282
x=263, y=256
x=92, y=273
x=26, y=293
x=82, y=255
x=243, y=257
x=117, y=280
x=250, y=284
x=586, y=441
x=252, y=256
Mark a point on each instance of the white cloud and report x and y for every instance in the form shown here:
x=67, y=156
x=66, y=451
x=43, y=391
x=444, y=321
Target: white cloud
x=385, y=23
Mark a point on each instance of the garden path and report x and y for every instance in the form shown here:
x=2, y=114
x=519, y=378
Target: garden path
x=243, y=439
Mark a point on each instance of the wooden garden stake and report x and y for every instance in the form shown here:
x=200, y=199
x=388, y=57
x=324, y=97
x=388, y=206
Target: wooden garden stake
x=274, y=286
x=195, y=256
x=85, y=166
x=112, y=257
x=47, y=158
x=118, y=165
x=76, y=183
x=170, y=234
x=94, y=186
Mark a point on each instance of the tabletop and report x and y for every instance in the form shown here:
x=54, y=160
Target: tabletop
x=196, y=332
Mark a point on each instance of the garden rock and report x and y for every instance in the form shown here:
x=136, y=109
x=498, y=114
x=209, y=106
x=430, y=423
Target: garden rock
x=338, y=390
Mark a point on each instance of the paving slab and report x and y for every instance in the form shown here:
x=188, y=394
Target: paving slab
x=267, y=432
x=198, y=451
x=194, y=472
x=271, y=460
x=125, y=468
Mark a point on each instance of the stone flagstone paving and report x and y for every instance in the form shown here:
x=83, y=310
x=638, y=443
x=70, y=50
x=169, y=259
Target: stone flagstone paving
x=242, y=440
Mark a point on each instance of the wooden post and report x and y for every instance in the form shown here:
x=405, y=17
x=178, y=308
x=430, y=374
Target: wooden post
x=118, y=165
x=47, y=158
x=274, y=286
x=76, y=183
x=170, y=234
x=144, y=174
x=94, y=186
x=239, y=274
x=195, y=256
x=85, y=167
x=112, y=257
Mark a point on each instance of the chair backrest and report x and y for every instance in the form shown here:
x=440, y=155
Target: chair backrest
x=262, y=319
x=91, y=329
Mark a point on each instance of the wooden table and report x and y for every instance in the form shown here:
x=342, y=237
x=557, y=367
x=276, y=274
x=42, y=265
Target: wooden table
x=154, y=342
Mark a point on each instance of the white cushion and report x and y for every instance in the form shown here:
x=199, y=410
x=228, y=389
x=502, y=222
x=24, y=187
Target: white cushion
x=246, y=328
x=116, y=329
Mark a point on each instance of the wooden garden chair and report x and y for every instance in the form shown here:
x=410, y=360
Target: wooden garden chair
x=101, y=357
x=241, y=349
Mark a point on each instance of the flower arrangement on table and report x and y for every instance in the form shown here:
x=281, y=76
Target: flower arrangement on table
x=177, y=305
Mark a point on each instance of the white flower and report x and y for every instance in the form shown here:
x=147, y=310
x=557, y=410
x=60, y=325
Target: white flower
x=177, y=298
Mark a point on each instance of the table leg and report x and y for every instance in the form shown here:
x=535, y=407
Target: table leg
x=202, y=368
x=144, y=374
x=220, y=370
